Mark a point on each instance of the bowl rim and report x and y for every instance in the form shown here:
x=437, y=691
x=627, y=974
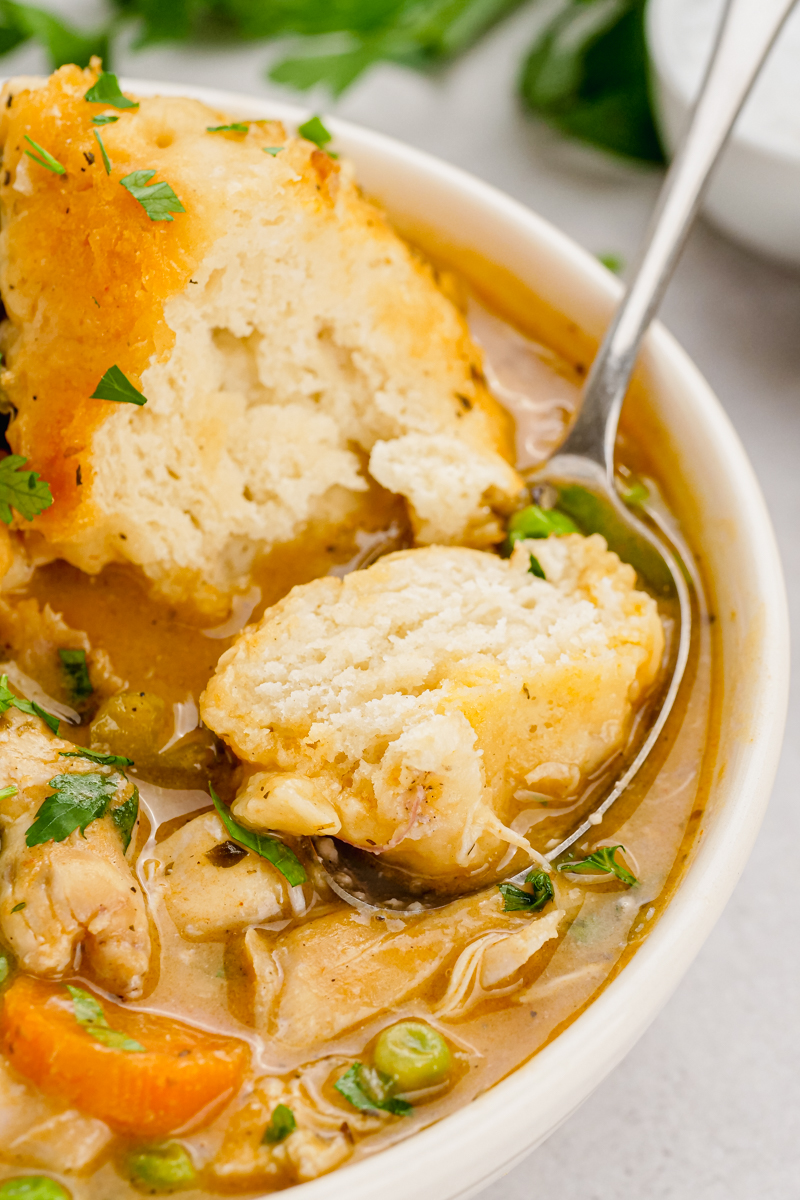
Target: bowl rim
x=464, y=1151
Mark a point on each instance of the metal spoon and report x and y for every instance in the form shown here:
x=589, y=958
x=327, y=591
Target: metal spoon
x=585, y=463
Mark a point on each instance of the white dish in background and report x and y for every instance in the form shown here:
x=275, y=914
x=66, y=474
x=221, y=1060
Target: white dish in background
x=755, y=192
x=467, y=1150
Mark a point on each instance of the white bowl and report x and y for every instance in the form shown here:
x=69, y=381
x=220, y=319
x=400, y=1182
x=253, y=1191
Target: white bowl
x=466, y=1151
x=754, y=195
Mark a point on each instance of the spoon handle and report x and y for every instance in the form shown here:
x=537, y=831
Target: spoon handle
x=746, y=35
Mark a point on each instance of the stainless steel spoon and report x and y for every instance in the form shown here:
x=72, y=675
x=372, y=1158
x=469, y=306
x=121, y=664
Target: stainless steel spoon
x=585, y=463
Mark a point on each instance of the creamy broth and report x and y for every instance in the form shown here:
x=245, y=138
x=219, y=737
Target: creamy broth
x=155, y=648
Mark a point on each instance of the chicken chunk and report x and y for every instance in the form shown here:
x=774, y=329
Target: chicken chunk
x=287, y=341
x=70, y=901
x=416, y=703
x=37, y=1132
x=339, y=970
x=212, y=886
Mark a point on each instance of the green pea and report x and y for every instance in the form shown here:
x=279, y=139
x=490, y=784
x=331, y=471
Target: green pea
x=32, y=1187
x=413, y=1055
x=163, y=1168
x=131, y=723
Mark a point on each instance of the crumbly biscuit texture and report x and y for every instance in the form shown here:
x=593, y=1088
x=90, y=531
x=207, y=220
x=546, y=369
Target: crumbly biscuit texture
x=282, y=333
x=433, y=696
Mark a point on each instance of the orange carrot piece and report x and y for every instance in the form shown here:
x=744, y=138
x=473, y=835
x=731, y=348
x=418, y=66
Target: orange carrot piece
x=183, y=1072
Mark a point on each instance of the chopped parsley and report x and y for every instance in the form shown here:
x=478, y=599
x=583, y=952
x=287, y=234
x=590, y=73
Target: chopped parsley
x=124, y=817
x=517, y=900
x=535, y=567
x=274, y=850
x=104, y=119
x=106, y=159
x=601, y=861
x=89, y=1014
x=116, y=386
x=76, y=673
x=9, y=700
x=612, y=262
x=107, y=91
x=22, y=490
x=104, y=760
x=7, y=792
x=281, y=1124
x=43, y=158
x=369, y=1090
x=19, y=907
x=273, y=150
x=157, y=199
x=234, y=127
x=314, y=131
x=75, y=802
x=536, y=522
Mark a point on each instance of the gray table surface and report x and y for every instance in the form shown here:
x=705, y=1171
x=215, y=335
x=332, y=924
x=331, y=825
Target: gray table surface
x=706, y=1104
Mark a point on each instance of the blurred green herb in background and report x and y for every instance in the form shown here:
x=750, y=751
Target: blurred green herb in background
x=586, y=73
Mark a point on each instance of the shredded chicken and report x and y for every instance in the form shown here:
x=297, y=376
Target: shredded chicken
x=63, y=900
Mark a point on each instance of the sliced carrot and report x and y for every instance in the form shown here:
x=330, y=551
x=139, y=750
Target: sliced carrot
x=182, y=1073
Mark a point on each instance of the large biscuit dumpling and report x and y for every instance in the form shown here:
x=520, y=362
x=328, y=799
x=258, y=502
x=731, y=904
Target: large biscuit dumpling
x=292, y=348
x=414, y=707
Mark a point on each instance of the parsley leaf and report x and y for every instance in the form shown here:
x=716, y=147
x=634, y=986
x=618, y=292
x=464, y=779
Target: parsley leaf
x=367, y=1089
x=601, y=861
x=518, y=900
x=281, y=1124
x=116, y=386
x=612, y=262
x=105, y=760
x=106, y=159
x=89, y=1014
x=314, y=131
x=9, y=700
x=44, y=158
x=107, y=91
x=7, y=792
x=535, y=567
x=124, y=817
x=73, y=665
x=104, y=119
x=22, y=490
x=273, y=150
x=275, y=851
x=19, y=907
x=536, y=522
x=235, y=127
x=76, y=801
x=157, y=199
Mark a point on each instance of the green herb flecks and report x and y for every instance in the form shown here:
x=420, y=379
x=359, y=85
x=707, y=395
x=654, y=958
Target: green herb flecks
x=274, y=850
x=124, y=818
x=369, y=1090
x=314, y=131
x=107, y=91
x=273, y=150
x=104, y=119
x=22, y=490
x=281, y=1124
x=516, y=899
x=90, y=1016
x=9, y=700
x=587, y=74
x=33, y=1187
x=19, y=907
x=612, y=262
x=44, y=158
x=536, y=522
x=535, y=567
x=601, y=861
x=117, y=387
x=75, y=802
x=633, y=491
x=7, y=792
x=76, y=674
x=234, y=127
x=104, y=760
x=157, y=199
x=106, y=159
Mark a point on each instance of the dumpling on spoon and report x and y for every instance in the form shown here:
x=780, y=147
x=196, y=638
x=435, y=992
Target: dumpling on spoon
x=410, y=708
x=292, y=350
